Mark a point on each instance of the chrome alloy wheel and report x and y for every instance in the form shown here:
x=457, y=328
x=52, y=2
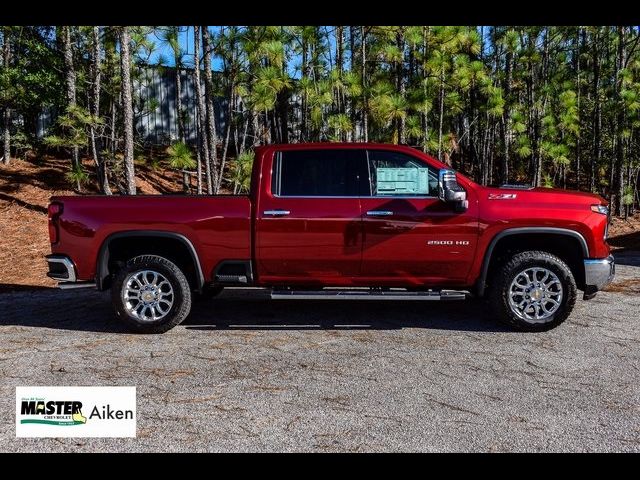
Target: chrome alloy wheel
x=535, y=295
x=147, y=295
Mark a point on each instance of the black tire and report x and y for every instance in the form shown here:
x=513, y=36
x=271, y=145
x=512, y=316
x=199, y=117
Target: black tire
x=181, y=294
x=505, y=274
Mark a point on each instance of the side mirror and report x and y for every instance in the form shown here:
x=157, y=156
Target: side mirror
x=450, y=192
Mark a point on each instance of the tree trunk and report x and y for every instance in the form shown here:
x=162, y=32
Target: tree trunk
x=267, y=128
x=96, y=143
x=202, y=114
x=282, y=108
x=363, y=78
x=180, y=119
x=231, y=96
x=255, y=125
x=6, y=124
x=173, y=36
x=339, y=49
x=506, y=119
x=199, y=164
x=400, y=83
x=352, y=104
x=426, y=31
x=127, y=109
x=7, y=136
x=620, y=122
x=339, y=107
x=537, y=114
x=245, y=132
x=70, y=73
x=186, y=180
x=225, y=150
x=578, y=97
x=304, y=135
x=70, y=81
x=112, y=139
x=441, y=121
x=211, y=116
x=597, y=117
x=186, y=183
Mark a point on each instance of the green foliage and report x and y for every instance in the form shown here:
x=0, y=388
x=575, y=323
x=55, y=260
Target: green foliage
x=180, y=156
x=22, y=143
x=33, y=78
x=241, y=172
x=339, y=124
x=73, y=128
x=627, y=198
x=77, y=175
x=516, y=100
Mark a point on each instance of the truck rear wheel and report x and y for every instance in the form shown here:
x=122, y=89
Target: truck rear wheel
x=533, y=291
x=151, y=294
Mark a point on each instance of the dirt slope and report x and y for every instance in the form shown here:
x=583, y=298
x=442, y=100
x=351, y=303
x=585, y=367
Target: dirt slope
x=25, y=189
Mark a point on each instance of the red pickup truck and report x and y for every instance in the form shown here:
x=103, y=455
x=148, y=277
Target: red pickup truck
x=338, y=221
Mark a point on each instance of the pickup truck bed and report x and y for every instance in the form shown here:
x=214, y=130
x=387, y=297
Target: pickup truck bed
x=218, y=227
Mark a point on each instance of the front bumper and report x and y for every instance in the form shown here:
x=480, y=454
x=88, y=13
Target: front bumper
x=598, y=273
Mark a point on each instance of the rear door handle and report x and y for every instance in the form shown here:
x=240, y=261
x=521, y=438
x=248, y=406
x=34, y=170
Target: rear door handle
x=379, y=213
x=276, y=213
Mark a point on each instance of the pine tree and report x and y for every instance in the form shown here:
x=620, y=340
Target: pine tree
x=127, y=108
x=6, y=116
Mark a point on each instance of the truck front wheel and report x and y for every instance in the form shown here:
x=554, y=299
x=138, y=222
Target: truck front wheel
x=533, y=291
x=151, y=294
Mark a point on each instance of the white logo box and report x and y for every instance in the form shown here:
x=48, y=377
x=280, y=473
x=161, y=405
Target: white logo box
x=75, y=412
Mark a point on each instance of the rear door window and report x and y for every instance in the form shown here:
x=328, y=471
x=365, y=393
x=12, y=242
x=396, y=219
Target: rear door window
x=318, y=173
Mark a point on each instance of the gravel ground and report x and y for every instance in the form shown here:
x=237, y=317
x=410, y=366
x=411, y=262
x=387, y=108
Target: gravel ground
x=248, y=374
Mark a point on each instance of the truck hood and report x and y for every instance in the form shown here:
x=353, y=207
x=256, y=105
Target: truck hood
x=543, y=195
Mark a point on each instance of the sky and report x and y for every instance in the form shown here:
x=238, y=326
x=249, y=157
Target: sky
x=163, y=50
x=186, y=42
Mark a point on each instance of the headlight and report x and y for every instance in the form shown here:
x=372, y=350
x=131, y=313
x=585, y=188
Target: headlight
x=603, y=209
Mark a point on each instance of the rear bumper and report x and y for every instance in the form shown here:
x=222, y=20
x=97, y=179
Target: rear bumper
x=598, y=273
x=61, y=268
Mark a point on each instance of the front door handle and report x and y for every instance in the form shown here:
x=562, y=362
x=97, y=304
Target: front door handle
x=276, y=213
x=379, y=213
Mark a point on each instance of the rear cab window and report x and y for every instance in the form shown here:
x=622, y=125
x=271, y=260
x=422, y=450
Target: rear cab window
x=318, y=173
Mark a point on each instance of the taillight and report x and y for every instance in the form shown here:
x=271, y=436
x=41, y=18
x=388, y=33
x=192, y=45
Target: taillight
x=54, y=211
x=602, y=209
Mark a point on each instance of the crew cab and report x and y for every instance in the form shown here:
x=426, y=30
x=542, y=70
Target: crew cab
x=338, y=221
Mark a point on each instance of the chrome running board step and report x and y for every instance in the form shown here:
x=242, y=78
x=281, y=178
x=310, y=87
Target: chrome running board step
x=73, y=285
x=367, y=295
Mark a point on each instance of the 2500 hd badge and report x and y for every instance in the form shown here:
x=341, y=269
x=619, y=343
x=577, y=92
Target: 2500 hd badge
x=449, y=242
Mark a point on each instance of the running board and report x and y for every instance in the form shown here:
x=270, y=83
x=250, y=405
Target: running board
x=366, y=295
x=73, y=285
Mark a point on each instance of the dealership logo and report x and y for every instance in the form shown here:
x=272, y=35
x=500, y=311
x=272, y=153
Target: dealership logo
x=75, y=411
x=60, y=413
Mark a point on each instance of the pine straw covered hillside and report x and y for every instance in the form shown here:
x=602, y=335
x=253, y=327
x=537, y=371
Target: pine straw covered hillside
x=25, y=189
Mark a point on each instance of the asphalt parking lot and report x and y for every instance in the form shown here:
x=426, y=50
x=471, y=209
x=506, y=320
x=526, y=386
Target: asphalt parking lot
x=245, y=373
